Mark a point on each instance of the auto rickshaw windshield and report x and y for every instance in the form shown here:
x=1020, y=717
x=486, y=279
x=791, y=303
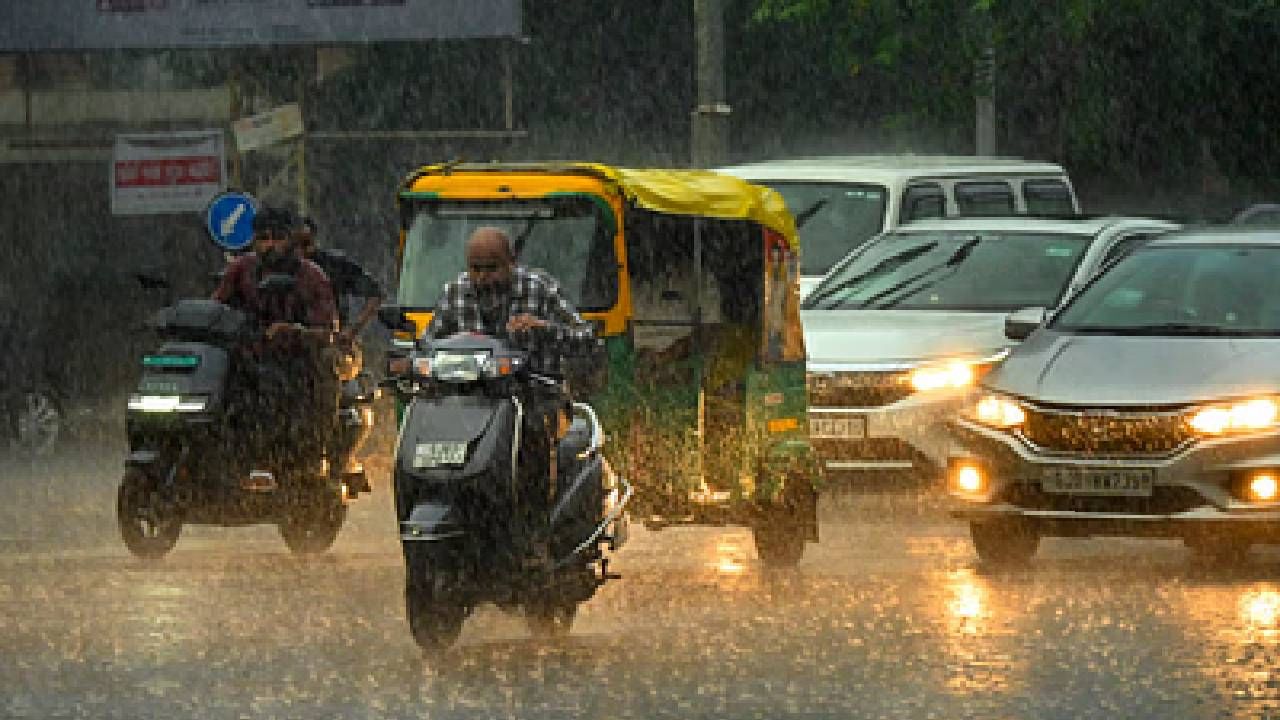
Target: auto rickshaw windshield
x=571, y=238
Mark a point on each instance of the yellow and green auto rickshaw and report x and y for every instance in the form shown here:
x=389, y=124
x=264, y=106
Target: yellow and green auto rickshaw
x=691, y=279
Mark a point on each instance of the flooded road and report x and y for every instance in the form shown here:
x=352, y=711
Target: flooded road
x=889, y=617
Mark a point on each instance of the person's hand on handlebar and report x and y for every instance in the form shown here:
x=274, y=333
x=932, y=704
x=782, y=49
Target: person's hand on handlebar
x=284, y=329
x=525, y=322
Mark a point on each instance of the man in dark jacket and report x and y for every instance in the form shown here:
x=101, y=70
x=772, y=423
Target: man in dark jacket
x=288, y=381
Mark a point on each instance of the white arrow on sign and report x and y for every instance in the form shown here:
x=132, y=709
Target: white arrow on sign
x=229, y=223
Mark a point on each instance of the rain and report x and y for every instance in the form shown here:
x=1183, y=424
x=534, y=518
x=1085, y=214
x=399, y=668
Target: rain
x=882, y=359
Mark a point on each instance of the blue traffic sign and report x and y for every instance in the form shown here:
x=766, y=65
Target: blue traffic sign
x=229, y=220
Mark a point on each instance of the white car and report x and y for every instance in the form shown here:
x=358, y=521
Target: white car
x=841, y=202
x=899, y=332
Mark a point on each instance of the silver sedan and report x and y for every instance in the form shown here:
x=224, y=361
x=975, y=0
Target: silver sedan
x=1148, y=406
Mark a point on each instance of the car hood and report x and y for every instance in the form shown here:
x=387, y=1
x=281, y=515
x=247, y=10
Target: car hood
x=906, y=337
x=1108, y=370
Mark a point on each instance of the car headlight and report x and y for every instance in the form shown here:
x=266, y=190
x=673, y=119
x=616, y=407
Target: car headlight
x=953, y=373
x=1000, y=412
x=1256, y=414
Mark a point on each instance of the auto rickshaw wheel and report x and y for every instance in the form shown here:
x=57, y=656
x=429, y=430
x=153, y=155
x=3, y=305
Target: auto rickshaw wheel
x=1006, y=541
x=149, y=526
x=779, y=541
x=312, y=528
x=550, y=620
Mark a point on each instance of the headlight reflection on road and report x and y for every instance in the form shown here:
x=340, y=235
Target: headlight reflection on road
x=975, y=636
x=729, y=557
x=1260, y=610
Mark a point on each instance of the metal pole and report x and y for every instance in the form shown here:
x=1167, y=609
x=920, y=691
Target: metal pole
x=508, y=88
x=302, y=139
x=233, y=91
x=710, y=136
x=985, y=102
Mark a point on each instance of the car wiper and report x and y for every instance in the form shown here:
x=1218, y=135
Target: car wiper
x=806, y=214
x=1169, y=329
x=879, y=268
x=897, y=291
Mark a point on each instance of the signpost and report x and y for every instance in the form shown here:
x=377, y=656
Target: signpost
x=268, y=128
x=33, y=26
x=229, y=220
x=166, y=172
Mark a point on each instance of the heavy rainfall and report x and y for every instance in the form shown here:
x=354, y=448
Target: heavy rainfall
x=687, y=358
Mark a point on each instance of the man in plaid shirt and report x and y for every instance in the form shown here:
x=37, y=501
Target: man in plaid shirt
x=497, y=297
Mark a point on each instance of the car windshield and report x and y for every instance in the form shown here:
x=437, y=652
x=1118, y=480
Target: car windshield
x=567, y=237
x=832, y=219
x=1203, y=290
x=987, y=271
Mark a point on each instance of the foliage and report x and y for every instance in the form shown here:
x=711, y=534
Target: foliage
x=1178, y=88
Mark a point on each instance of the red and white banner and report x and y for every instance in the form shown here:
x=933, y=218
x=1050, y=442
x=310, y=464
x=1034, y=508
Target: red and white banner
x=169, y=172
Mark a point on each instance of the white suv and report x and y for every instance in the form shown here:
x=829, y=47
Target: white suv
x=840, y=202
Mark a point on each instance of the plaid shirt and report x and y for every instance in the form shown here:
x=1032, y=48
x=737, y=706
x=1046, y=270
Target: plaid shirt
x=532, y=292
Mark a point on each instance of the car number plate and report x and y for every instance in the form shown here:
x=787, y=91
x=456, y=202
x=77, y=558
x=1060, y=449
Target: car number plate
x=843, y=427
x=435, y=454
x=1098, y=481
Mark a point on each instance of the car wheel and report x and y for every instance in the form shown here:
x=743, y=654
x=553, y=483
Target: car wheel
x=1218, y=550
x=1005, y=541
x=38, y=423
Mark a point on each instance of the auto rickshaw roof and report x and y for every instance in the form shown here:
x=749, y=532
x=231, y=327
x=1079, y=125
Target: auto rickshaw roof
x=672, y=191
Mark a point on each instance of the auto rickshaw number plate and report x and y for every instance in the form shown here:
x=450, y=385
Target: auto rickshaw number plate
x=1098, y=481
x=435, y=454
x=841, y=427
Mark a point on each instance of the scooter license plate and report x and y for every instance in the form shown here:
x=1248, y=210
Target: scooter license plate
x=435, y=454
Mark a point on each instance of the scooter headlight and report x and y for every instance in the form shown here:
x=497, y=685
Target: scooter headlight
x=168, y=403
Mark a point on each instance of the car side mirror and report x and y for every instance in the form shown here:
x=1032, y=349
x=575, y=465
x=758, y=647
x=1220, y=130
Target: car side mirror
x=395, y=319
x=1020, y=324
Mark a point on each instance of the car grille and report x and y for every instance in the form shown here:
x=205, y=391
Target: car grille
x=1105, y=432
x=1164, y=500
x=862, y=389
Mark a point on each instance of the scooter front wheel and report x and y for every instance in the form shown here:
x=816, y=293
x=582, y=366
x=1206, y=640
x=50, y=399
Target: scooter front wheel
x=148, y=525
x=312, y=530
x=435, y=619
x=550, y=620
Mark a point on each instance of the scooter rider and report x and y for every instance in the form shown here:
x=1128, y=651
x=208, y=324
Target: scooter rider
x=351, y=283
x=496, y=296
x=298, y=324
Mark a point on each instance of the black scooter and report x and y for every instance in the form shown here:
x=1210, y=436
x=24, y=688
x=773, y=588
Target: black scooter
x=477, y=524
x=189, y=433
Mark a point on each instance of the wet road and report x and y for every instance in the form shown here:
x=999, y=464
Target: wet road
x=889, y=617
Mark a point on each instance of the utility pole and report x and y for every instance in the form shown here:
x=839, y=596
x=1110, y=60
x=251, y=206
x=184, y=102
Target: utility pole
x=984, y=95
x=710, y=138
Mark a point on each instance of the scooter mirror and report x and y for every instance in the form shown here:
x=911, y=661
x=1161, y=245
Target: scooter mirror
x=394, y=318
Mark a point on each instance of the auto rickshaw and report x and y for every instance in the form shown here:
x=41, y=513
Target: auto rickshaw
x=691, y=279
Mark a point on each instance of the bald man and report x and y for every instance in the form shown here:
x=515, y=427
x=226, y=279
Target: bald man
x=498, y=297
